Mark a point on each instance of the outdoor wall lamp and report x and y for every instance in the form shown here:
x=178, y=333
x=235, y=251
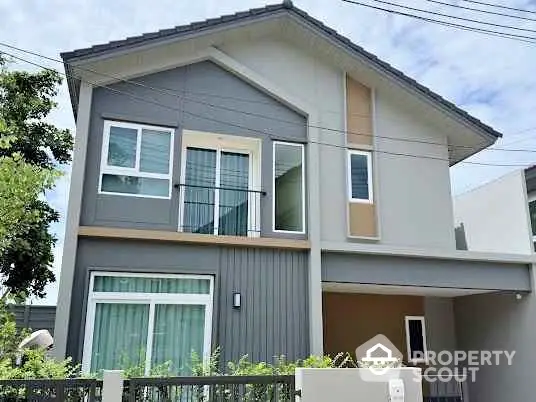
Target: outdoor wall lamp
x=237, y=300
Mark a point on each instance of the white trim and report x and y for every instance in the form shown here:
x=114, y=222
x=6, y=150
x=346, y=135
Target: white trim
x=135, y=171
x=368, y=155
x=293, y=144
x=407, y=319
x=225, y=143
x=150, y=299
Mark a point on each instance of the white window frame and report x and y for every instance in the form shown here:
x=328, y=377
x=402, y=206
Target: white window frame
x=152, y=299
x=294, y=144
x=407, y=319
x=368, y=155
x=226, y=143
x=135, y=171
x=531, y=198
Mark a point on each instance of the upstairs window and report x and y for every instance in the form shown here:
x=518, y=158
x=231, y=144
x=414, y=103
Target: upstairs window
x=532, y=212
x=289, y=195
x=360, y=176
x=136, y=160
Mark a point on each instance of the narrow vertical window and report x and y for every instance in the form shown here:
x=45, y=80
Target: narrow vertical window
x=416, y=339
x=532, y=212
x=289, y=196
x=360, y=176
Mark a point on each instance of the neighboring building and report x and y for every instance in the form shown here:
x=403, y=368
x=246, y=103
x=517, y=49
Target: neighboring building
x=34, y=317
x=258, y=182
x=498, y=215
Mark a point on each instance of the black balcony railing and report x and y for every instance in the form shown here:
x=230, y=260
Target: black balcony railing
x=228, y=211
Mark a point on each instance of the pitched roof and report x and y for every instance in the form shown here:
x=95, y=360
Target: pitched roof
x=257, y=13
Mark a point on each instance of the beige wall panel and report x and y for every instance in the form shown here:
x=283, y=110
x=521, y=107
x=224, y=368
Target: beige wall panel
x=358, y=113
x=362, y=220
x=352, y=319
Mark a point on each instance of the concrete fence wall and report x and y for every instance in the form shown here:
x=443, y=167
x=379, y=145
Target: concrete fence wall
x=351, y=385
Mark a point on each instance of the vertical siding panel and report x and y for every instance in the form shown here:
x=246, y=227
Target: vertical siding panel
x=277, y=307
x=273, y=317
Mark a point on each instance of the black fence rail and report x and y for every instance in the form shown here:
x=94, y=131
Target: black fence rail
x=211, y=389
x=66, y=390
x=440, y=390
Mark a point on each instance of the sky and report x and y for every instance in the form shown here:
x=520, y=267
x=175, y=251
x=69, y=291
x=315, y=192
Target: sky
x=492, y=78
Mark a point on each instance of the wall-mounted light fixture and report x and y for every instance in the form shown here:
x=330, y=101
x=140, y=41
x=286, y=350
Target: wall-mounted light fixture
x=237, y=300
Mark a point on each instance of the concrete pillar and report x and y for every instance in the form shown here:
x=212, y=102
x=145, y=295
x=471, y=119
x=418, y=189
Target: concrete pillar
x=112, y=386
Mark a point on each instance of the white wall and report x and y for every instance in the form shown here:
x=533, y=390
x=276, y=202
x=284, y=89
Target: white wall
x=413, y=179
x=347, y=385
x=495, y=216
x=413, y=194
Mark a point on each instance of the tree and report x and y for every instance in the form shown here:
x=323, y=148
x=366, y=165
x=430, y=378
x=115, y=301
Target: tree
x=31, y=154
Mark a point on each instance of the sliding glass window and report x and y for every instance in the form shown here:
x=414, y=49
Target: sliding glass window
x=162, y=320
x=289, y=188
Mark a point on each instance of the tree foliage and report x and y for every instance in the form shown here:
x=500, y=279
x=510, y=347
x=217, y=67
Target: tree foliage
x=31, y=153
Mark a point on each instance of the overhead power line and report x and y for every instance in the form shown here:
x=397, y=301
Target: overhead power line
x=490, y=32
x=232, y=124
x=179, y=95
x=481, y=11
x=474, y=21
x=483, y=3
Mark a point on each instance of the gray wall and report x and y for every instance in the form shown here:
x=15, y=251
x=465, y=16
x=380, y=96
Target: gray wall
x=499, y=322
x=34, y=317
x=411, y=271
x=273, y=319
x=183, y=113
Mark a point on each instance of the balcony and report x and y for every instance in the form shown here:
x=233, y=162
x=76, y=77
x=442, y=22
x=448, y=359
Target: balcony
x=230, y=211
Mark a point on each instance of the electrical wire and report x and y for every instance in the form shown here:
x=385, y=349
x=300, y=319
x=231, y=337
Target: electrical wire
x=480, y=10
x=177, y=94
x=505, y=35
x=420, y=10
x=483, y=3
x=263, y=132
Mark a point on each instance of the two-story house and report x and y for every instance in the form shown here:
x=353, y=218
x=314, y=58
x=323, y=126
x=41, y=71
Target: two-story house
x=259, y=183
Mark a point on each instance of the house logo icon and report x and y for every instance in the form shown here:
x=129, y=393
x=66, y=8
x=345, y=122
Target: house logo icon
x=379, y=359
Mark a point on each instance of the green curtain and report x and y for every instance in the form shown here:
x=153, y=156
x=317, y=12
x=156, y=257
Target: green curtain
x=178, y=330
x=234, y=203
x=133, y=284
x=199, y=198
x=119, y=336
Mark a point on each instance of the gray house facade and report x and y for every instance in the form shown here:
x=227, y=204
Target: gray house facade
x=260, y=184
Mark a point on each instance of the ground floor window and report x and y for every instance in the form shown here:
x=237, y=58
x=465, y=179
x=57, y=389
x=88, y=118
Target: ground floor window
x=147, y=321
x=416, y=339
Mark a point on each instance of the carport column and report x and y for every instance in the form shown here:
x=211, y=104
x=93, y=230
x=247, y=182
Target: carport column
x=61, y=326
x=316, y=340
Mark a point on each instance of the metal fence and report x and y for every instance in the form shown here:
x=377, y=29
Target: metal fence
x=439, y=390
x=210, y=389
x=66, y=390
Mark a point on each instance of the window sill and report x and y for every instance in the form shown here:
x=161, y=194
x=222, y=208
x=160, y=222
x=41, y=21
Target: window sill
x=168, y=236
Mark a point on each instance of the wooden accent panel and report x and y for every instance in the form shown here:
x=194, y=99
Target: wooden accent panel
x=362, y=219
x=352, y=319
x=161, y=235
x=358, y=113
